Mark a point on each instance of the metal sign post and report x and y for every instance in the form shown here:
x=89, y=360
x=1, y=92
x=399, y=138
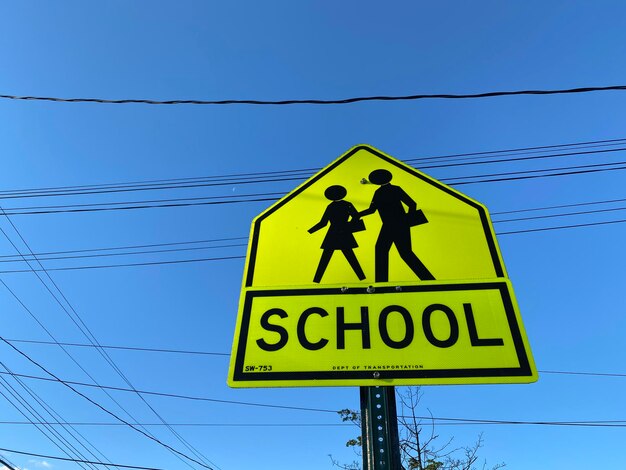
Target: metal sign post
x=379, y=429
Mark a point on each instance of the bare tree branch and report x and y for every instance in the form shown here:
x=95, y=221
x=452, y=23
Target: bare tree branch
x=419, y=452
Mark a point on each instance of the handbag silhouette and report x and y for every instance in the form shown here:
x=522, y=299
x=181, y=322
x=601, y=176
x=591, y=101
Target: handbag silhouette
x=357, y=225
x=416, y=217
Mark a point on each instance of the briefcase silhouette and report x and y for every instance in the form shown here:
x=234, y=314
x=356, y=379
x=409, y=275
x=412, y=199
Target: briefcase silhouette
x=416, y=217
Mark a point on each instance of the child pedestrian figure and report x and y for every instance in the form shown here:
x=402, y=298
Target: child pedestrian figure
x=342, y=217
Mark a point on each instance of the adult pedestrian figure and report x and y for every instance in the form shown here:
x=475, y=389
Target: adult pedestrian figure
x=343, y=219
x=388, y=200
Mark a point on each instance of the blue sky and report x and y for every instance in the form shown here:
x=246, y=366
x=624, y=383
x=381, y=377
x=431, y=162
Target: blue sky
x=568, y=282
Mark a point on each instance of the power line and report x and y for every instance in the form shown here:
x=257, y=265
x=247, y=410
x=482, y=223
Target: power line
x=232, y=197
x=225, y=425
x=436, y=419
x=308, y=171
x=130, y=348
x=69, y=383
x=320, y=101
x=46, y=256
x=128, y=247
x=8, y=464
x=62, y=347
x=157, y=182
x=132, y=426
x=50, y=433
x=152, y=188
x=79, y=366
x=541, y=148
x=562, y=206
x=124, y=265
x=510, y=160
x=592, y=374
x=224, y=354
x=89, y=335
x=224, y=258
x=128, y=253
x=235, y=402
x=601, y=424
x=526, y=174
x=91, y=462
x=68, y=428
x=567, y=214
x=165, y=203
x=528, y=177
x=592, y=423
x=133, y=207
x=453, y=180
x=261, y=177
x=562, y=227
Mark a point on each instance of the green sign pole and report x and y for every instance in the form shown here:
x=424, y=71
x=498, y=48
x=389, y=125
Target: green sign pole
x=379, y=429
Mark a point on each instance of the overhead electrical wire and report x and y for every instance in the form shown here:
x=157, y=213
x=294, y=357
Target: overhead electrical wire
x=226, y=425
x=93, y=402
x=124, y=265
x=78, y=461
x=520, y=150
x=128, y=247
x=489, y=94
x=46, y=257
x=152, y=188
x=308, y=171
x=224, y=354
x=561, y=227
x=622, y=423
x=233, y=197
x=437, y=420
x=551, y=216
x=456, y=181
x=95, y=382
x=224, y=401
x=241, y=257
x=560, y=206
x=261, y=177
x=127, y=253
x=70, y=383
x=91, y=338
x=7, y=463
x=49, y=255
x=519, y=159
x=129, y=348
x=12, y=212
x=71, y=431
x=50, y=433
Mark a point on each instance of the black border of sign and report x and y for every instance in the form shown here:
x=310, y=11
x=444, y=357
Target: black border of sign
x=524, y=370
x=499, y=269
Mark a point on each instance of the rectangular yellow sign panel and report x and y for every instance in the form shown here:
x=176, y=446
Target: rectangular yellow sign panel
x=412, y=334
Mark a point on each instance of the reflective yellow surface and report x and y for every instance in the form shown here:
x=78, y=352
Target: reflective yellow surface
x=427, y=333
x=452, y=245
x=294, y=329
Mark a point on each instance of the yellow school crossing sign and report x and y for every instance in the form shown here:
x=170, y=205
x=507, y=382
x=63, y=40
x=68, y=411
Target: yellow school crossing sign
x=373, y=273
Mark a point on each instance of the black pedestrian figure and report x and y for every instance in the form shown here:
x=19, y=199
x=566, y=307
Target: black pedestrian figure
x=343, y=219
x=396, y=230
